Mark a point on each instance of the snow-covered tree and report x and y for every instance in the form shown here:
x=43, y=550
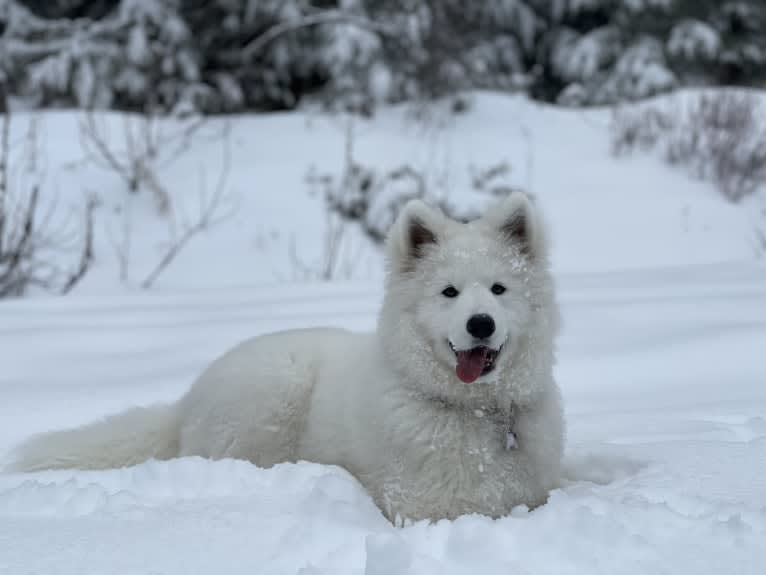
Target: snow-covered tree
x=449, y=45
x=140, y=57
x=601, y=51
x=231, y=55
x=261, y=54
x=159, y=65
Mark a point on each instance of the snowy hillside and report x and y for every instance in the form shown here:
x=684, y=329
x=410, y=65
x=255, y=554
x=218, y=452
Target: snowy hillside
x=605, y=214
x=660, y=361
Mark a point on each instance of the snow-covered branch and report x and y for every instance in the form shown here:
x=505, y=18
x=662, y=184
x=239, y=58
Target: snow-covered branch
x=213, y=208
x=317, y=18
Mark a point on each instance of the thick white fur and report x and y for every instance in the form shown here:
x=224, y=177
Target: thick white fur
x=386, y=406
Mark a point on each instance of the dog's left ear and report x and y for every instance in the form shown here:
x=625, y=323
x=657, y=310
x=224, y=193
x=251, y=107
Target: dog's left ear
x=415, y=231
x=516, y=219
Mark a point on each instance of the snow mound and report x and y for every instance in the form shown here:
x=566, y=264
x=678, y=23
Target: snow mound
x=197, y=516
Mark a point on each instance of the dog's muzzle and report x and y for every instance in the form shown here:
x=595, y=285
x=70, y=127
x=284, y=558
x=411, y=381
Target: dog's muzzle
x=474, y=362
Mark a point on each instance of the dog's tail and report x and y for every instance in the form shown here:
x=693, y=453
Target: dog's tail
x=119, y=440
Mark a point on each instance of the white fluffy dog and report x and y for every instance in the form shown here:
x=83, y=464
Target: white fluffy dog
x=450, y=407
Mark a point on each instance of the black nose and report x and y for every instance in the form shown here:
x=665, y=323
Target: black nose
x=481, y=326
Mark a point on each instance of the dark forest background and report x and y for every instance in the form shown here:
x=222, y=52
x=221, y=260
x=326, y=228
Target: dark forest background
x=227, y=56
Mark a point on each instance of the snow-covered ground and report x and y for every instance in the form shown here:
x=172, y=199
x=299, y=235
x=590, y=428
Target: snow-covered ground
x=663, y=377
x=661, y=364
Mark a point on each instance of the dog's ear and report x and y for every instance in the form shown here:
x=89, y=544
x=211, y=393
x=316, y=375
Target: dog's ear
x=416, y=229
x=516, y=219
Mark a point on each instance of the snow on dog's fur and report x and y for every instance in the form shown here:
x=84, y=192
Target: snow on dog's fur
x=450, y=407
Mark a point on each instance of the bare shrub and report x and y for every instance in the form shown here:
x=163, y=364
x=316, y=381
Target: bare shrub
x=638, y=128
x=718, y=137
x=346, y=200
x=143, y=147
x=213, y=206
x=36, y=244
x=760, y=242
x=723, y=139
x=146, y=145
x=371, y=200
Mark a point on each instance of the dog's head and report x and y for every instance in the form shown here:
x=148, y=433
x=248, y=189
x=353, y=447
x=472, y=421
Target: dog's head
x=463, y=300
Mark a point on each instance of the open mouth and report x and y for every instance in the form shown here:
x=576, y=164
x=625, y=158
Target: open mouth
x=474, y=362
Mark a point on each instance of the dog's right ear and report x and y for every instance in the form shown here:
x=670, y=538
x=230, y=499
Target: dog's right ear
x=518, y=222
x=415, y=230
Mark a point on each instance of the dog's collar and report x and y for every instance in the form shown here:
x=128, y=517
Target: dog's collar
x=507, y=419
x=509, y=423
x=511, y=440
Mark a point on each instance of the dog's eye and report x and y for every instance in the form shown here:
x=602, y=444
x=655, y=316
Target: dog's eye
x=498, y=289
x=449, y=291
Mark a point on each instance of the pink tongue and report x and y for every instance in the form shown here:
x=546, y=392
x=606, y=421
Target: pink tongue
x=470, y=363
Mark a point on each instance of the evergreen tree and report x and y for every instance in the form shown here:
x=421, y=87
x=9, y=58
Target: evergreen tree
x=231, y=55
x=138, y=57
x=275, y=75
